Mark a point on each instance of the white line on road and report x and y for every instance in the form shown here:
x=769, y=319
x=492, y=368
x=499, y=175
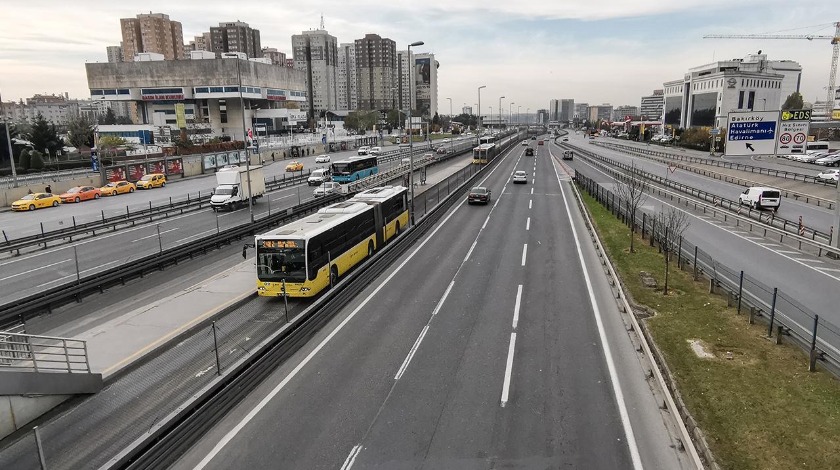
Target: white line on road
x=532, y=190
x=528, y=224
x=352, y=457
x=508, y=370
x=530, y=203
x=34, y=269
x=411, y=352
x=154, y=235
x=524, y=253
x=516, y=307
x=828, y=269
x=443, y=299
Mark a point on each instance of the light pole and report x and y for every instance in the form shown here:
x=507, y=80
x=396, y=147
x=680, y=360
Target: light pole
x=411, y=136
x=9, y=142
x=527, y=117
x=500, y=112
x=510, y=113
x=517, y=115
x=245, y=141
x=450, y=123
x=479, y=111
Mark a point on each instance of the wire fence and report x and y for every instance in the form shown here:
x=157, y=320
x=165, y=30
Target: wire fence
x=784, y=315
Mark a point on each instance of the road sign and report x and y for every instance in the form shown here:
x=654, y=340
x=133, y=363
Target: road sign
x=793, y=131
x=751, y=133
x=714, y=131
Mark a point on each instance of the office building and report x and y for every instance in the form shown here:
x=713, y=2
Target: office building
x=581, y=112
x=378, y=75
x=346, y=81
x=554, y=110
x=406, y=75
x=542, y=116
x=276, y=57
x=621, y=113
x=235, y=36
x=567, y=111
x=315, y=53
x=652, y=105
x=115, y=53
x=153, y=32
x=600, y=112
x=425, y=85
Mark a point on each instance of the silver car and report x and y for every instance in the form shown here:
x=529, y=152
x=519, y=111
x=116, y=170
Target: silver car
x=327, y=188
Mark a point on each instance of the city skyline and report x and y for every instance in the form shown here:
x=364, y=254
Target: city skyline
x=615, y=53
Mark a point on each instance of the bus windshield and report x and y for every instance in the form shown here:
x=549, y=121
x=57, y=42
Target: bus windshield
x=341, y=168
x=276, y=264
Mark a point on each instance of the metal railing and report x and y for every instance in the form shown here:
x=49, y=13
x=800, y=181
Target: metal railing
x=38, y=353
x=45, y=177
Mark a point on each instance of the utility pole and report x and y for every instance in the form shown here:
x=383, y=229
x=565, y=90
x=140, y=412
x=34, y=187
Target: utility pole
x=9, y=142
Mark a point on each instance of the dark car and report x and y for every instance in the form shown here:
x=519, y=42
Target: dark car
x=479, y=194
x=533, y=137
x=529, y=152
x=567, y=155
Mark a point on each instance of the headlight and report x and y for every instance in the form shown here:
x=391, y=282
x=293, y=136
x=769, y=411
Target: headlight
x=305, y=289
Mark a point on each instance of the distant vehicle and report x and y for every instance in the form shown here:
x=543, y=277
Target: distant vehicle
x=479, y=194
x=829, y=160
x=539, y=142
x=327, y=188
x=533, y=137
x=353, y=169
x=529, y=152
x=567, y=155
x=322, y=159
x=294, y=165
x=520, y=176
x=484, y=153
x=30, y=202
x=759, y=197
x=524, y=143
x=565, y=139
x=117, y=187
x=152, y=180
x=829, y=175
x=375, y=151
x=80, y=193
x=810, y=157
x=318, y=176
x=363, y=150
x=442, y=151
x=233, y=189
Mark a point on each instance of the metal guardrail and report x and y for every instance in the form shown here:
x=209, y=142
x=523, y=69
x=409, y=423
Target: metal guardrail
x=820, y=239
x=38, y=353
x=46, y=177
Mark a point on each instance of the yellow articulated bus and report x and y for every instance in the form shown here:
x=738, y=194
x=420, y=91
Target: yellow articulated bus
x=311, y=252
x=484, y=153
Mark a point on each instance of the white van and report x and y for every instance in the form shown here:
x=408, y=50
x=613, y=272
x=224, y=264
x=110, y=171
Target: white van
x=318, y=176
x=760, y=197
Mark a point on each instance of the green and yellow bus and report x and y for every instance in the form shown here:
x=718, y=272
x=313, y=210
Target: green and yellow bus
x=311, y=253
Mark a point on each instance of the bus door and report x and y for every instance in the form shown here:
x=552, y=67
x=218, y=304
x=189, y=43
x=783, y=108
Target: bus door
x=379, y=222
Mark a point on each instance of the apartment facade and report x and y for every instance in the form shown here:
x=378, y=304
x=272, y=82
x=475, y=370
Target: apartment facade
x=235, y=36
x=652, y=105
x=315, y=53
x=376, y=65
x=347, y=79
x=153, y=32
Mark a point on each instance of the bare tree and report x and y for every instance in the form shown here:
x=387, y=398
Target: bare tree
x=631, y=189
x=672, y=224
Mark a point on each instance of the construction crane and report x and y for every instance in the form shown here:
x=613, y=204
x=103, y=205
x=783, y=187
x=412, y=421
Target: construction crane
x=835, y=41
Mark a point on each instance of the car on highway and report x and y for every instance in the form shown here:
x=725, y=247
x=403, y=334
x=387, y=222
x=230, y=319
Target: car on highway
x=524, y=143
x=540, y=142
x=442, y=150
x=363, y=150
x=568, y=155
x=80, y=193
x=327, y=188
x=529, y=152
x=829, y=160
x=520, y=176
x=30, y=202
x=322, y=159
x=152, y=180
x=760, y=197
x=565, y=139
x=533, y=137
x=405, y=160
x=479, y=194
x=294, y=165
x=829, y=175
x=318, y=176
x=375, y=151
x=117, y=187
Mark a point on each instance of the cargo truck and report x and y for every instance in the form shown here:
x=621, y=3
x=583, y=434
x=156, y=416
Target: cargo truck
x=232, y=189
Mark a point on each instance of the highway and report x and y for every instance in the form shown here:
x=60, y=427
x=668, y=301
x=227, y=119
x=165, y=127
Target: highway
x=495, y=342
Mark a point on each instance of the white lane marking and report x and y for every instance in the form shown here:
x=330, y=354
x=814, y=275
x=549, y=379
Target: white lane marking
x=532, y=190
x=154, y=235
x=828, y=269
x=789, y=252
x=530, y=203
x=516, y=307
x=273, y=393
x=616, y=385
x=34, y=269
x=528, y=224
x=524, y=253
x=508, y=370
x=533, y=180
x=411, y=352
x=445, y=295
x=811, y=260
x=352, y=457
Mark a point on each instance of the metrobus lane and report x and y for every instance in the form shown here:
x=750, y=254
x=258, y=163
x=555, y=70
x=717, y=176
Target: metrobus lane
x=319, y=405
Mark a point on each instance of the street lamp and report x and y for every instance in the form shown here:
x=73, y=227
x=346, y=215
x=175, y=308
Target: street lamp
x=500, y=112
x=510, y=113
x=9, y=142
x=411, y=136
x=517, y=115
x=479, y=111
x=527, y=117
x=245, y=141
x=450, y=123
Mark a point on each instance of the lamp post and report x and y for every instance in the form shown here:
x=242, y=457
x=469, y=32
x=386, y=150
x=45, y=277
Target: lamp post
x=517, y=115
x=245, y=141
x=510, y=113
x=527, y=117
x=479, y=112
x=500, y=112
x=411, y=137
x=9, y=142
x=450, y=123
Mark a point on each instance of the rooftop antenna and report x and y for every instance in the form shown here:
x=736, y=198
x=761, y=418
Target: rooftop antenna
x=323, y=28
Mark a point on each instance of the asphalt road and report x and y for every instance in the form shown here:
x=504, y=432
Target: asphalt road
x=483, y=347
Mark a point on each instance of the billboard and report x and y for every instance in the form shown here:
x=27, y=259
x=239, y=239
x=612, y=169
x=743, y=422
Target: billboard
x=174, y=167
x=423, y=84
x=751, y=133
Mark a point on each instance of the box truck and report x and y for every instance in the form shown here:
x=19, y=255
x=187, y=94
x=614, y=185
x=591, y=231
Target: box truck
x=232, y=187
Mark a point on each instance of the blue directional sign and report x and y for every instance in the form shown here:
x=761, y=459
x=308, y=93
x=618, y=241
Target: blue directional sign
x=751, y=133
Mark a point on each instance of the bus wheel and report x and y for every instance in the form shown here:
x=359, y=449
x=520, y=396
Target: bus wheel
x=370, y=249
x=333, y=275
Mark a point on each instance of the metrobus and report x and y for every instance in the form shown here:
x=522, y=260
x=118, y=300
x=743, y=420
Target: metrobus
x=390, y=210
x=488, y=139
x=354, y=168
x=484, y=153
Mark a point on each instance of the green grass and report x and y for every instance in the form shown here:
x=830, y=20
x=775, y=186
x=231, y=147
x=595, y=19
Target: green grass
x=761, y=409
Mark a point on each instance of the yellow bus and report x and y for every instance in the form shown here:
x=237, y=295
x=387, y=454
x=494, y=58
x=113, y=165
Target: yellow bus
x=310, y=251
x=484, y=153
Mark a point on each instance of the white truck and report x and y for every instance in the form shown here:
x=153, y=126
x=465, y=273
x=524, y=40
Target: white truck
x=232, y=187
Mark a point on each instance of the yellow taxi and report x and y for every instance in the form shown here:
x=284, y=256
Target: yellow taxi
x=152, y=180
x=294, y=166
x=117, y=187
x=30, y=202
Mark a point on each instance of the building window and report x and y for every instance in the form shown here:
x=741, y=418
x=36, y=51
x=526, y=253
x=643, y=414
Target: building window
x=223, y=112
x=751, y=100
x=741, y=99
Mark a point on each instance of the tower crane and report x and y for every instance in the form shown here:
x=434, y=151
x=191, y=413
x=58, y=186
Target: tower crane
x=835, y=41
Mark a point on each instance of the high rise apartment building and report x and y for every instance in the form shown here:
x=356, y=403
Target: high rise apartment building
x=346, y=81
x=114, y=53
x=376, y=65
x=235, y=36
x=405, y=71
x=554, y=110
x=316, y=54
x=153, y=32
x=567, y=110
x=652, y=105
x=276, y=57
x=201, y=43
x=581, y=111
x=543, y=115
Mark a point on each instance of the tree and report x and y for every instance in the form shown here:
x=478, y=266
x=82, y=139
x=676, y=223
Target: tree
x=632, y=191
x=23, y=159
x=109, y=119
x=44, y=136
x=436, y=120
x=670, y=227
x=80, y=132
x=793, y=101
x=393, y=118
x=36, y=160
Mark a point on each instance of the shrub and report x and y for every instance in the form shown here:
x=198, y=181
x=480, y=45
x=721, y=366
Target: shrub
x=23, y=159
x=36, y=161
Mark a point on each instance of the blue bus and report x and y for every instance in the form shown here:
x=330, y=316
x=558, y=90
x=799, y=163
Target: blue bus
x=354, y=169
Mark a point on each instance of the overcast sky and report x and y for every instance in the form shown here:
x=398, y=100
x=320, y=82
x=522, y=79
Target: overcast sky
x=606, y=51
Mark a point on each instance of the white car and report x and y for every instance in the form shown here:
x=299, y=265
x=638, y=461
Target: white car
x=322, y=159
x=520, y=176
x=326, y=189
x=363, y=150
x=375, y=151
x=832, y=175
x=524, y=143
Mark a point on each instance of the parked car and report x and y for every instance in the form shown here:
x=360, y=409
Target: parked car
x=829, y=160
x=363, y=150
x=520, y=176
x=810, y=157
x=327, y=188
x=294, y=165
x=117, y=187
x=479, y=194
x=322, y=159
x=30, y=202
x=760, y=197
x=829, y=175
x=152, y=180
x=80, y=193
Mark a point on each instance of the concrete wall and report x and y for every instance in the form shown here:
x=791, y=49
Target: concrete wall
x=17, y=410
x=10, y=195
